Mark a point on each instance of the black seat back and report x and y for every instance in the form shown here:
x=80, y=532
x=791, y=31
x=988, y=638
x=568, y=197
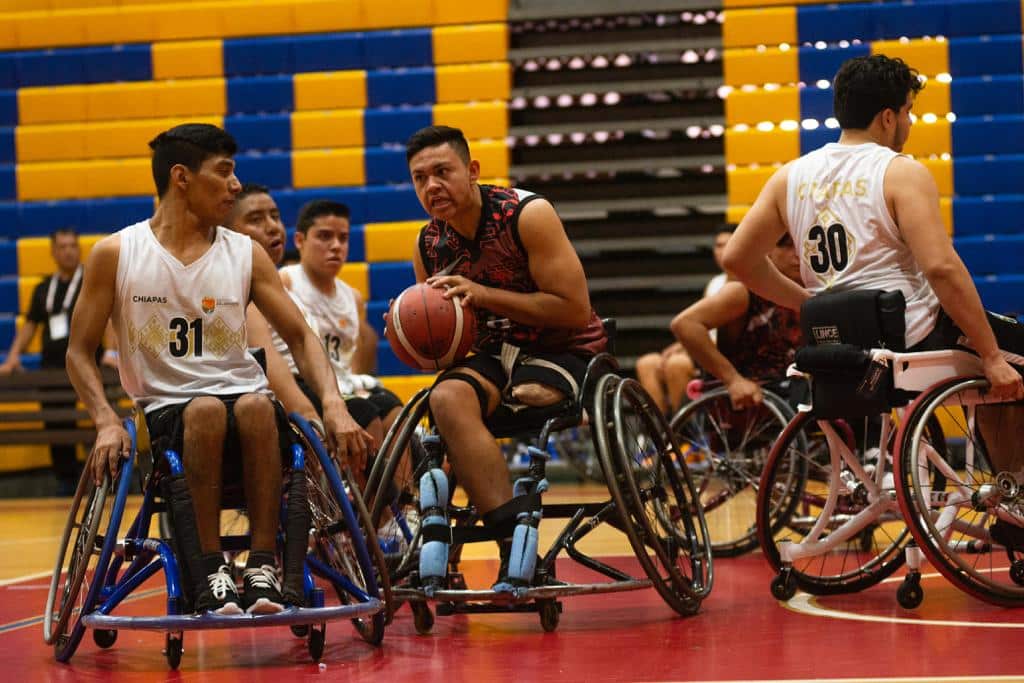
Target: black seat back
x=839, y=327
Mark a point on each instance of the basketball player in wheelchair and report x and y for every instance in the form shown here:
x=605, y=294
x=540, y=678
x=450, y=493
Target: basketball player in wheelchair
x=176, y=287
x=866, y=220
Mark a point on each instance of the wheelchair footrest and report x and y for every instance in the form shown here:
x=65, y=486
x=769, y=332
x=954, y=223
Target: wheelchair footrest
x=292, y=616
x=534, y=593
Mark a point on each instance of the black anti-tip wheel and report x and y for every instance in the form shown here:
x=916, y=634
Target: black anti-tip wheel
x=910, y=594
x=300, y=630
x=549, y=615
x=104, y=637
x=784, y=586
x=422, y=617
x=174, y=646
x=317, y=638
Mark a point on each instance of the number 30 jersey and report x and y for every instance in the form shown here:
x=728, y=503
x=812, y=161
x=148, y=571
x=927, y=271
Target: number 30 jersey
x=844, y=234
x=181, y=329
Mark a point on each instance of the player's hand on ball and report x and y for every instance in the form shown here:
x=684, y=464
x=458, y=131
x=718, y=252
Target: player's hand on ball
x=471, y=293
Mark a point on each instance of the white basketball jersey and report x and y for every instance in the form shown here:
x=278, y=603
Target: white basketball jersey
x=181, y=329
x=336, y=321
x=843, y=232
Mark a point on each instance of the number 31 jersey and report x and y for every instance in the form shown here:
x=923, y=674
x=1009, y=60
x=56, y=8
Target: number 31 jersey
x=181, y=329
x=844, y=234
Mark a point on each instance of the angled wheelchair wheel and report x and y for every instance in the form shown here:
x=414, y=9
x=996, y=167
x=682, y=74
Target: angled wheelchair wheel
x=725, y=451
x=341, y=538
x=84, y=558
x=960, y=488
x=796, y=501
x=654, y=493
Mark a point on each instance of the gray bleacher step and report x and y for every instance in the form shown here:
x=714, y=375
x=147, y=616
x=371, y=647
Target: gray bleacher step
x=611, y=123
x=639, y=86
x=543, y=9
x=569, y=209
x=649, y=283
x=681, y=244
x=617, y=165
x=584, y=48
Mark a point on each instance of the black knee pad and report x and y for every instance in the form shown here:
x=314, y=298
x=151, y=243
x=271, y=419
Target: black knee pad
x=481, y=393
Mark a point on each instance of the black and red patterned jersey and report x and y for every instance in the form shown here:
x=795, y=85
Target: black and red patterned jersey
x=766, y=343
x=495, y=257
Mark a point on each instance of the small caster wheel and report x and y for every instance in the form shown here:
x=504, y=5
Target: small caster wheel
x=1017, y=572
x=549, y=615
x=422, y=618
x=910, y=594
x=174, y=646
x=300, y=630
x=104, y=637
x=317, y=638
x=784, y=586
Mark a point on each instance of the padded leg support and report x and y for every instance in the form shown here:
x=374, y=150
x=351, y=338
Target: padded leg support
x=296, y=542
x=186, y=534
x=434, y=527
x=522, y=559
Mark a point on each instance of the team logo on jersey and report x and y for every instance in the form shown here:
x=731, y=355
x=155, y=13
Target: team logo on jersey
x=209, y=304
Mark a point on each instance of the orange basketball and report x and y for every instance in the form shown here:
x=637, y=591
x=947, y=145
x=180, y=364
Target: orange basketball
x=427, y=331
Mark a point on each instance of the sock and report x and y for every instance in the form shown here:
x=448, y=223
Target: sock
x=258, y=558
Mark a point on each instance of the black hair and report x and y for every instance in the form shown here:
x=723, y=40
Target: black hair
x=725, y=228
x=189, y=144
x=864, y=86
x=250, y=189
x=433, y=136
x=316, y=208
x=63, y=231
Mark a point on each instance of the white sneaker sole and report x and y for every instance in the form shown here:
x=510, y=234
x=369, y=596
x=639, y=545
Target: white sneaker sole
x=264, y=606
x=228, y=610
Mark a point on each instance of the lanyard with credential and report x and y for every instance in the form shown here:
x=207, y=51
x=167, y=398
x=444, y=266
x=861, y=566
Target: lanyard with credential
x=68, y=296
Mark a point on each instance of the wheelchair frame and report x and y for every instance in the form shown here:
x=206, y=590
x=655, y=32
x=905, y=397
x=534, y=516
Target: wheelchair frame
x=610, y=395
x=109, y=585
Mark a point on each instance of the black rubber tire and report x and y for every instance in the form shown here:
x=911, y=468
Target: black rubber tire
x=173, y=649
x=104, y=637
x=422, y=617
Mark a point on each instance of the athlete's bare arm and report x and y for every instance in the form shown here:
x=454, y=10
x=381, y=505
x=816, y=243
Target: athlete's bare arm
x=282, y=383
x=562, y=299
x=746, y=253
x=99, y=287
x=344, y=436
x=692, y=328
x=364, y=360
x=913, y=200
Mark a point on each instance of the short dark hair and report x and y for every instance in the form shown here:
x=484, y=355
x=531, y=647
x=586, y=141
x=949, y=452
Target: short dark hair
x=189, y=144
x=864, y=86
x=316, y=208
x=725, y=228
x=63, y=231
x=249, y=189
x=433, y=136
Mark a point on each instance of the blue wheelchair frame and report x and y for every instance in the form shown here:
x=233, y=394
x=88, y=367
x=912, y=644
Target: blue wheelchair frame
x=147, y=556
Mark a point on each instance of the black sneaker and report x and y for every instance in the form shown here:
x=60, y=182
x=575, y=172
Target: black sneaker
x=219, y=594
x=263, y=590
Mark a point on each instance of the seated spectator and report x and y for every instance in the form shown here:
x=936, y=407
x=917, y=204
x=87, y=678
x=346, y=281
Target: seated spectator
x=665, y=374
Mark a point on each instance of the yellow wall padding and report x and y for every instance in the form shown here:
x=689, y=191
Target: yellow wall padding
x=761, y=147
x=357, y=276
x=469, y=44
x=328, y=167
x=188, y=59
x=933, y=98
x=472, y=82
x=493, y=157
x=80, y=179
x=930, y=138
x=28, y=457
x=330, y=90
x=35, y=258
x=942, y=171
x=327, y=15
x=754, y=106
x=744, y=183
x=928, y=56
x=406, y=386
x=391, y=241
x=104, y=140
x=396, y=13
x=751, y=66
x=476, y=119
x=322, y=129
x=463, y=12
x=749, y=27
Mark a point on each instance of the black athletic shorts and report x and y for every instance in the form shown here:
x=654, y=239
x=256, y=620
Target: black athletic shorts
x=363, y=411
x=167, y=432
x=530, y=368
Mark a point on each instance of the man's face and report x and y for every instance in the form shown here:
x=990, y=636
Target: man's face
x=66, y=252
x=257, y=216
x=210, y=192
x=324, y=247
x=443, y=181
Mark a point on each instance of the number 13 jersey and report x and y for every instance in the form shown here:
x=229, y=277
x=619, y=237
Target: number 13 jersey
x=181, y=329
x=844, y=234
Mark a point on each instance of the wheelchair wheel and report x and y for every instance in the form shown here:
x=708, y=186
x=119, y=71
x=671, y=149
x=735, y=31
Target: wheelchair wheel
x=654, y=493
x=725, y=451
x=341, y=537
x=960, y=488
x=795, y=494
x=84, y=558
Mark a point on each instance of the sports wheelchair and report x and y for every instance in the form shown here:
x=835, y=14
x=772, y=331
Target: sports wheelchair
x=325, y=532
x=652, y=500
x=725, y=451
x=837, y=515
